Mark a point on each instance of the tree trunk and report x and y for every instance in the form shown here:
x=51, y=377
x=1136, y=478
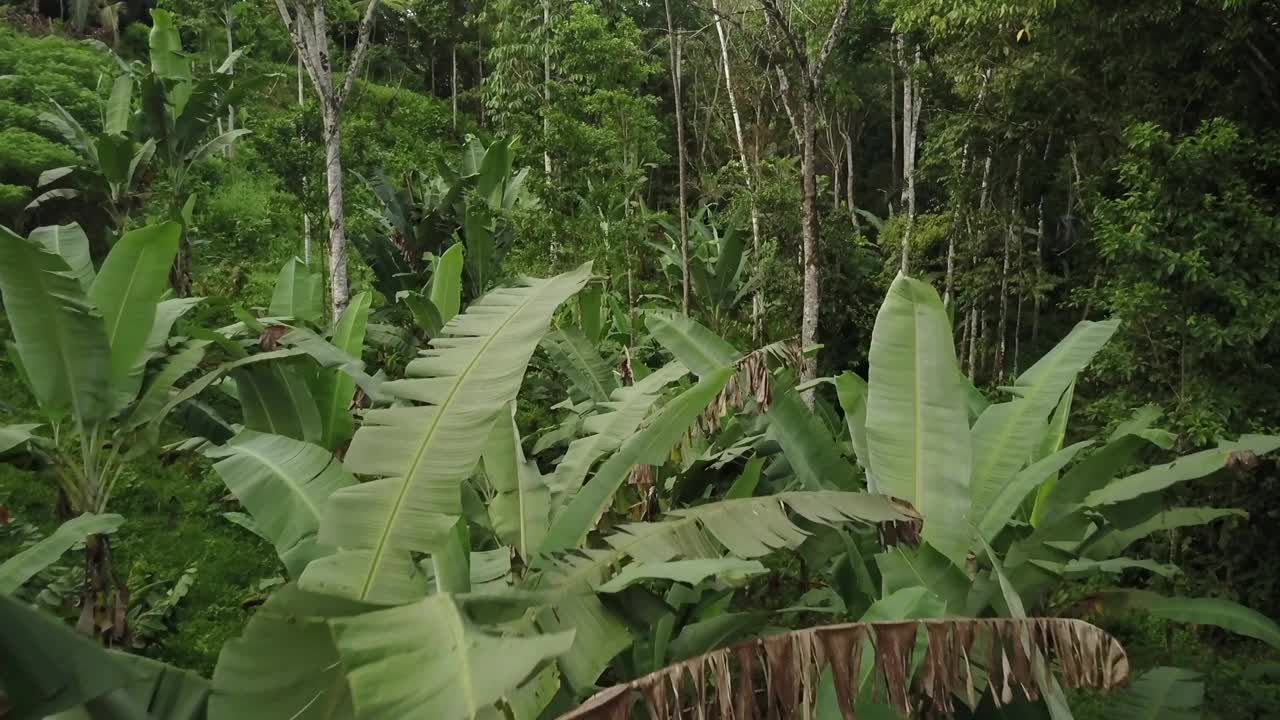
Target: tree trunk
x=231, y=110
x=893, y=120
x=674, y=43
x=546, y=87
x=911, y=104
x=1002, y=325
x=748, y=171
x=973, y=341
x=812, y=290
x=848, y=185
x=338, y=289
x=453, y=82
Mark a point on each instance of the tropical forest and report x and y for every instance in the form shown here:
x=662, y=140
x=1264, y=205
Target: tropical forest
x=626, y=359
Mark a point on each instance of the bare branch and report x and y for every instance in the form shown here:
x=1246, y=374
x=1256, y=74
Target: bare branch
x=298, y=39
x=837, y=27
x=362, y=49
x=798, y=54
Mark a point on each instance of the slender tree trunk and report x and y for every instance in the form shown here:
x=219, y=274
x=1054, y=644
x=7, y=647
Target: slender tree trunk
x=231, y=110
x=546, y=87
x=676, y=89
x=912, y=102
x=453, y=82
x=338, y=289
x=893, y=120
x=973, y=341
x=809, y=229
x=748, y=171
x=1002, y=326
x=848, y=184
x=306, y=216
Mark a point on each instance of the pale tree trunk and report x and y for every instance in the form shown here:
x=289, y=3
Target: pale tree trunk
x=1039, y=259
x=748, y=172
x=848, y=185
x=912, y=103
x=893, y=120
x=309, y=33
x=810, y=71
x=306, y=216
x=674, y=43
x=1009, y=238
x=546, y=87
x=965, y=156
x=231, y=110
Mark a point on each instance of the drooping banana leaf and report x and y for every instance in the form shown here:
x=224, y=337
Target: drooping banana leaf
x=1112, y=541
x=608, y=430
x=650, y=446
x=17, y=436
x=276, y=398
x=521, y=507
x=59, y=335
x=1188, y=467
x=1002, y=507
x=71, y=244
x=283, y=483
x=699, y=349
x=1162, y=693
x=1218, y=612
x=159, y=390
x=337, y=388
x=426, y=659
x=917, y=426
x=285, y=663
x=813, y=453
x=421, y=454
x=126, y=291
x=22, y=567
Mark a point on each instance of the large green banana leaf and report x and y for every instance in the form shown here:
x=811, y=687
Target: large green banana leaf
x=807, y=443
x=1163, y=693
x=59, y=335
x=16, y=436
x=71, y=244
x=160, y=389
x=917, y=425
x=1113, y=541
x=126, y=291
x=276, y=398
x=1007, y=435
x=521, y=506
x=1188, y=467
x=421, y=454
x=1052, y=443
x=852, y=393
x=650, y=446
x=624, y=411
x=1221, y=613
x=285, y=664
x=446, y=283
x=21, y=567
x=283, y=483
x=337, y=388
x=426, y=660
x=699, y=349
x=298, y=294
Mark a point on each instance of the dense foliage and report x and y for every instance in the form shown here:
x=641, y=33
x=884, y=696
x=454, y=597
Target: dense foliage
x=550, y=344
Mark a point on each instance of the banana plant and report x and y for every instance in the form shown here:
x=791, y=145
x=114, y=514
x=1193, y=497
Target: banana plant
x=467, y=205
x=93, y=347
x=718, y=265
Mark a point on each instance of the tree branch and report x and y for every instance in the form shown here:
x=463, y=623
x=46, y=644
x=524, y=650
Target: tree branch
x=798, y=54
x=837, y=27
x=362, y=49
x=298, y=40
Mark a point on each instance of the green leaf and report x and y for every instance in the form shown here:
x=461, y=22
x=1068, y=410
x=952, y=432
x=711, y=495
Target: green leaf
x=298, y=293
x=812, y=452
x=1163, y=693
x=1225, y=614
x=598, y=636
x=690, y=572
x=745, y=485
x=71, y=244
x=696, y=347
x=427, y=660
x=12, y=436
x=521, y=507
x=1044, y=382
x=918, y=443
x=904, y=567
x=1082, y=568
x=420, y=454
x=337, y=388
x=168, y=61
x=285, y=663
x=119, y=106
x=46, y=667
x=704, y=636
x=217, y=144
x=1002, y=508
x=852, y=392
x=59, y=335
x=275, y=398
x=650, y=446
x=202, y=383
x=1052, y=443
x=283, y=483
x=608, y=430
x=126, y=291
x=1113, y=541
x=1188, y=467
x=446, y=283
x=481, y=249
x=22, y=567
x=588, y=373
